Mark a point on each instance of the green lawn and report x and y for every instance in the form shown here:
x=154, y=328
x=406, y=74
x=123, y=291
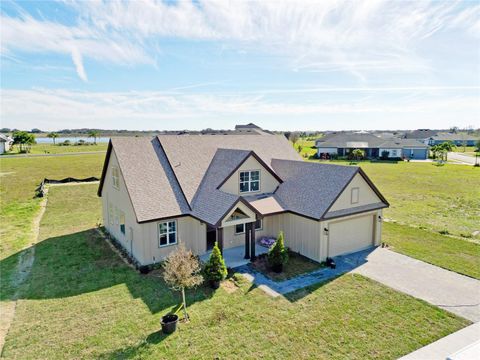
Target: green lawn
x=307, y=147
x=455, y=254
x=57, y=149
x=18, y=179
x=81, y=301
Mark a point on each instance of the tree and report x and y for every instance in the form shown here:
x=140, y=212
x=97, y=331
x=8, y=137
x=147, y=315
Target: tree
x=24, y=140
x=293, y=137
x=181, y=270
x=215, y=269
x=358, y=154
x=278, y=255
x=477, y=146
x=53, y=136
x=93, y=134
x=299, y=148
x=441, y=150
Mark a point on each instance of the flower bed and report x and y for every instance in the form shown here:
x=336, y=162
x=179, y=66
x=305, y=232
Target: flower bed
x=267, y=241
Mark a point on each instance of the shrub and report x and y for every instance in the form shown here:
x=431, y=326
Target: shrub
x=385, y=154
x=278, y=255
x=215, y=269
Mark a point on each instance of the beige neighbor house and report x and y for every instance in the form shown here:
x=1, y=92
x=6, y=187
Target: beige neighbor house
x=197, y=189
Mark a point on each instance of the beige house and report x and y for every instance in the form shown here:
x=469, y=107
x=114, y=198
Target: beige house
x=198, y=189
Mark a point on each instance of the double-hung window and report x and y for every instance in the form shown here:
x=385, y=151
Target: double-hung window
x=115, y=177
x=249, y=181
x=167, y=233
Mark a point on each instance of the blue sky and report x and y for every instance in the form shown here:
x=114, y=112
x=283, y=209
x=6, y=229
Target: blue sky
x=296, y=65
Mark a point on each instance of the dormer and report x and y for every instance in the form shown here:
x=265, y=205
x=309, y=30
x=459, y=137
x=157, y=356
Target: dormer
x=251, y=177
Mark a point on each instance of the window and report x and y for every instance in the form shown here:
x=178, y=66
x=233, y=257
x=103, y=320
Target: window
x=122, y=222
x=249, y=181
x=394, y=153
x=115, y=177
x=355, y=195
x=110, y=213
x=240, y=228
x=167, y=233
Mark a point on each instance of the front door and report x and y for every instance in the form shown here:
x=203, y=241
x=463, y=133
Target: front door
x=211, y=237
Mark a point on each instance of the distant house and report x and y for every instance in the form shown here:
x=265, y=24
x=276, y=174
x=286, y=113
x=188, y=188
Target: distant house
x=420, y=134
x=5, y=143
x=196, y=190
x=373, y=146
x=458, y=139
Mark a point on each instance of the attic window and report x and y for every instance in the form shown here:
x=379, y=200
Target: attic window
x=238, y=215
x=249, y=181
x=115, y=177
x=355, y=195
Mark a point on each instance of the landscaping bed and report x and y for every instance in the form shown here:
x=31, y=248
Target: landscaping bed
x=296, y=265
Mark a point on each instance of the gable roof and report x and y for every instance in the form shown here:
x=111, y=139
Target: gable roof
x=402, y=143
x=171, y=176
x=454, y=137
x=190, y=156
x=420, y=134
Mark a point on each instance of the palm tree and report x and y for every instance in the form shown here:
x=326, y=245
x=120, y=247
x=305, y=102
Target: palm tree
x=93, y=134
x=53, y=136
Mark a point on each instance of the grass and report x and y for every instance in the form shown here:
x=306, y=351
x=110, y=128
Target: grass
x=308, y=147
x=57, y=149
x=454, y=254
x=296, y=265
x=81, y=301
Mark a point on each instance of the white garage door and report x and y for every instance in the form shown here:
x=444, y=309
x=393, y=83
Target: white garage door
x=350, y=235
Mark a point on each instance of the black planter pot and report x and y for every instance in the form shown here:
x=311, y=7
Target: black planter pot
x=214, y=284
x=169, y=323
x=278, y=268
x=144, y=269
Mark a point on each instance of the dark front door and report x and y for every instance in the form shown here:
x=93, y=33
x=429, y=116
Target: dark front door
x=211, y=237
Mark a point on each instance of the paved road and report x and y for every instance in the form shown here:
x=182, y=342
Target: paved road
x=448, y=290
x=40, y=155
x=461, y=157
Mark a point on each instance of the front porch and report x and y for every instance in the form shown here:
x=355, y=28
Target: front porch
x=235, y=256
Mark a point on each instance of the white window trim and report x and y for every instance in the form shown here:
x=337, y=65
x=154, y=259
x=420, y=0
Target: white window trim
x=116, y=179
x=249, y=181
x=167, y=233
x=353, y=191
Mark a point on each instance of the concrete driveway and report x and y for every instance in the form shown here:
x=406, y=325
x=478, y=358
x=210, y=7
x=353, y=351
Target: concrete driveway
x=462, y=158
x=448, y=290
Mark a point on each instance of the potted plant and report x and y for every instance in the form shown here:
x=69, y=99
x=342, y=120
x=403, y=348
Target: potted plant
x=278, y=255
x=169, y=323
x=215, y=269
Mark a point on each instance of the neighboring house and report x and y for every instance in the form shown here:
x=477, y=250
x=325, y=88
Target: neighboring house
x=460, y=139
x=197, y=189
x=373, y=146
x=420, y=134
x=5, y=143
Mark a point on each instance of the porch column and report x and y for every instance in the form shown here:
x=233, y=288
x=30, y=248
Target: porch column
x=247, y=241
x=252, y=240
x=220, y=239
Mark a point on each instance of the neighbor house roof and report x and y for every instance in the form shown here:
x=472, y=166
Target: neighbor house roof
x=420, y=134
x=170, y=176
x=5, y=138
x=402, y=143
x=351, y=140
x=454, y=137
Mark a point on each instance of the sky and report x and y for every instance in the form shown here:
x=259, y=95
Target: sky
x=283, y=65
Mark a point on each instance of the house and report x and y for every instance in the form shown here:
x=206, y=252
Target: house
x=373, y=146
x=197, y=189
x=420, y=134
x=5, y=143
x=460, y=139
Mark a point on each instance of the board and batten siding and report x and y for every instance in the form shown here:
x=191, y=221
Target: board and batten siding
x=366, y=195
x=119, y=200
x=301, y=234
x=145, y=245
x=268, y=183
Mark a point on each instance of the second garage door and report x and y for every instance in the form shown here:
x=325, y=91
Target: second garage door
x=347, y=236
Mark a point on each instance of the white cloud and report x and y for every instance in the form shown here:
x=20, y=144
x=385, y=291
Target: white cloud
x=57, y=109
x=77, y=60
x=359, y=37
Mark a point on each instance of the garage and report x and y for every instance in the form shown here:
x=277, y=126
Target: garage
x=350, y=235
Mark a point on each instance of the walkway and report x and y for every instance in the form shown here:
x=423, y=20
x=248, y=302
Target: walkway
x=234, y=257
x=275, y=288
x=462, y=158
x=448, y=290
x=463, y=344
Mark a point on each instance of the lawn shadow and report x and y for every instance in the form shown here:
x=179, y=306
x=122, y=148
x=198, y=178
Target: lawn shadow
x=133, y=351
x=83, y=262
